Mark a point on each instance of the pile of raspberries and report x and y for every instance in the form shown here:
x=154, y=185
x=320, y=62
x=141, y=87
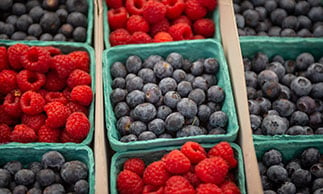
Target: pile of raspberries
x=190, y=170
x=44, y=94
x=148, y=21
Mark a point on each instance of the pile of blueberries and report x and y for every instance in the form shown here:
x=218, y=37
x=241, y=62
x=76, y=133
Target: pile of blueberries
x=52, y=175
x=286, y=18
x=46, y=20
x=303, y=174
x=285, y=96
x=167, y=98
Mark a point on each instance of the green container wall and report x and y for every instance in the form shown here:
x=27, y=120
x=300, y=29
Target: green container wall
x=152, y=155
x=190, y=49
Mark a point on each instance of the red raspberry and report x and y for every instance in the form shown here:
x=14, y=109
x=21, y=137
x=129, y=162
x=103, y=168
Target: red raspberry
x=137, y=23
x=210, y=5
x=42, y=92
x=177, y=163
x=224, y=150
x=129, y=183
x=11, y=104
x=64, y=65
x=23, y=134
x=178, y=185
x=57, y=114
x=193, y=151
x=174, y=8
x=56, y=97
x=161, y=26
x=163, y=37
x=29, y=80
x=135, y=165
x=183, y=19
x=156, y=174
x=117, y=18
x=7, y=81
x=81, y=60
x=65, y=138
x=5, y=118
x=149, y=189
x=34, y=121
x=140, y=37
x=192, y=178
x=115, y=4
x=230, y=187
x=5, y=132
x=204, y=27
x=78, y=77
x=154, y=11
x=67, y=94
x=3, y=58
x=194, y=10
x=82, y=94
x=53, y=82
x=74, y=107
x=52, y=50
x=77, y=125
x=198, y=37
x=208, y=188
x=36, y=59
x=135, y=7
x=14, y=55
x=119, y=37
x=50, y=135
x=212, y=170
x=32, y=103
x=181, y=31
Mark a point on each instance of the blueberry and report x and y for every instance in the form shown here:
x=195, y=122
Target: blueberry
x=197, y=95
x=277, y=68
x=7, y=29
x=45, y=177
x=274, y=125
x=118, y=82
x=20, y=189
x=254, y=107
x=23, y=23
x=18, y=36
x=166, y=136
x=246, y=64
x=13, y=167
x=79, y=34
x=77, y=19
x=292, y=166
x=5, y=178
x=302, y=8
x=200, y=82
x=163, y=111
x=4, y=37
x=309, y=157
x=274, y=31
x=266, y=183
x=50, y=22
x=147, y=135
x=271, y=89
x=259, y=62
x=288, y=32
x=318, y=31
x=32, y=3
x=304, y=60
x=317, y=184
x=171, y=99
x=285, y=92
x=74, y=171
x=319, y=131
x=18, y=9
x=204, y=112
x=217, y=131
x=189, y=130
x=251, y=17
x=215, y=94
x=317, y=170
x=261, y=28
x=189, y=77
x=46, y=37
x=255, y=122
x=59, y=37
x=179, y=75
x=197, y=67
x=174, y=121
x=287, y=188
x=288, y=5
x=287, y=79
x=147, y=75
x=133, y=64
x=317, y=90
x=151, y=61
x=245, y=5
x=163, y=69
x=66, y=30
x=157, y=126
x=270, y=5
x=296, y=130
x=272, y=157
x=53, y=160
x=148, y=86
x=211, y=66
x=299, y=118
x=241, y=32
x=316, y=14
x=35, y=30
x=54, y=189
x=5, y=4
x=306, y=104
x=145, y=112
x=214, y=106
x=304, y=33
x=210, y=79
x=35, y=167
x=315, y=72
x=236, y=8
x=24, y=177
x=284, y=107
x=135, y=83
x=123, y=125
x=137, y=127
x=187, y=107
x=118, y=69
x=77, y=5
x=277, y=174
x=218, y=119
x=251, y=79
x=301, y=177
x=135, y=97
x=34, y=191
x=175, y=59
x=128, y=138
x=187, y=64
x=272, y=112
x=167, y=84
x=12, y=19
x=118, y=95
x=304, y=21
x=277, y=16
x=62, y=14
x=121, y=109
x=316, y=120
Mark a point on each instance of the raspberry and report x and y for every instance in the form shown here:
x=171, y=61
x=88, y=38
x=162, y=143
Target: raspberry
x=192, y=178
x=149, y=189
x=82, y=94
x=29, y=80
x=193, y=151
x=53, y=82
x=137, y=23
x=56, y=97
x=3, y=58
x=42, y=92
x=224, y=150
x=163, y=37
x=177, y=163
x=5, y=118
x=52, y=50
x=194, y=10
x=135, y=7
x=198, y=37
x=117, y=18
x=7, y=81
x=32, y=103
x=64, y=65
x=140, y=37
x=212, y=170
x=67, y=93
x=161, y=26
x=156, y=174
x=4, y=133
x=81, y=60
x=178, y=185
x=74, y=107
x=210, y=5
x=181, y=31
x=66, y=138
x=14, y=55
x=36, y=59
x=78, y=125
x=208, y=188
x=57, y=114
x=154, y=11
x=50, y=135
x=78, y=77
x=183, y=19
x=11, y=104
x=119, y=37
x=23, y=134
x=230, y=188
x=115, y=4
x=129, y=183
x=135, y=165
x=34, y=121
x=204, y=27
x=174, y=8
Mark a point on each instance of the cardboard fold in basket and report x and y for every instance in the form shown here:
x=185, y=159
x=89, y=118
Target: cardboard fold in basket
x=215, y=16
x=288, y=48
x=192, y=50
x=28, y=153
x=152, y=155
x=68, y=47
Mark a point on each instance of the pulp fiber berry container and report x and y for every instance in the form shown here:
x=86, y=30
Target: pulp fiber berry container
x=288, y=48
x=215, y=16
x=28, y=153
x=68, y=47
x=155, y=154
x=192, y=50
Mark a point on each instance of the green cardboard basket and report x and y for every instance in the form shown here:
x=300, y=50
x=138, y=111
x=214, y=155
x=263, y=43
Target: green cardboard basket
x=189, y=49
x=152, y=155
x=106, y=28
x=288, y=48
x=67, y=47
x=27, y=153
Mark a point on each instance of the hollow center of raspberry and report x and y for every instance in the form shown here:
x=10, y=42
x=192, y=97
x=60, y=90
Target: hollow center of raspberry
x=138, y=4
x=33, y=57
x=32, y=79
x=186, y=35
x=116, y=11
x=27, y=102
